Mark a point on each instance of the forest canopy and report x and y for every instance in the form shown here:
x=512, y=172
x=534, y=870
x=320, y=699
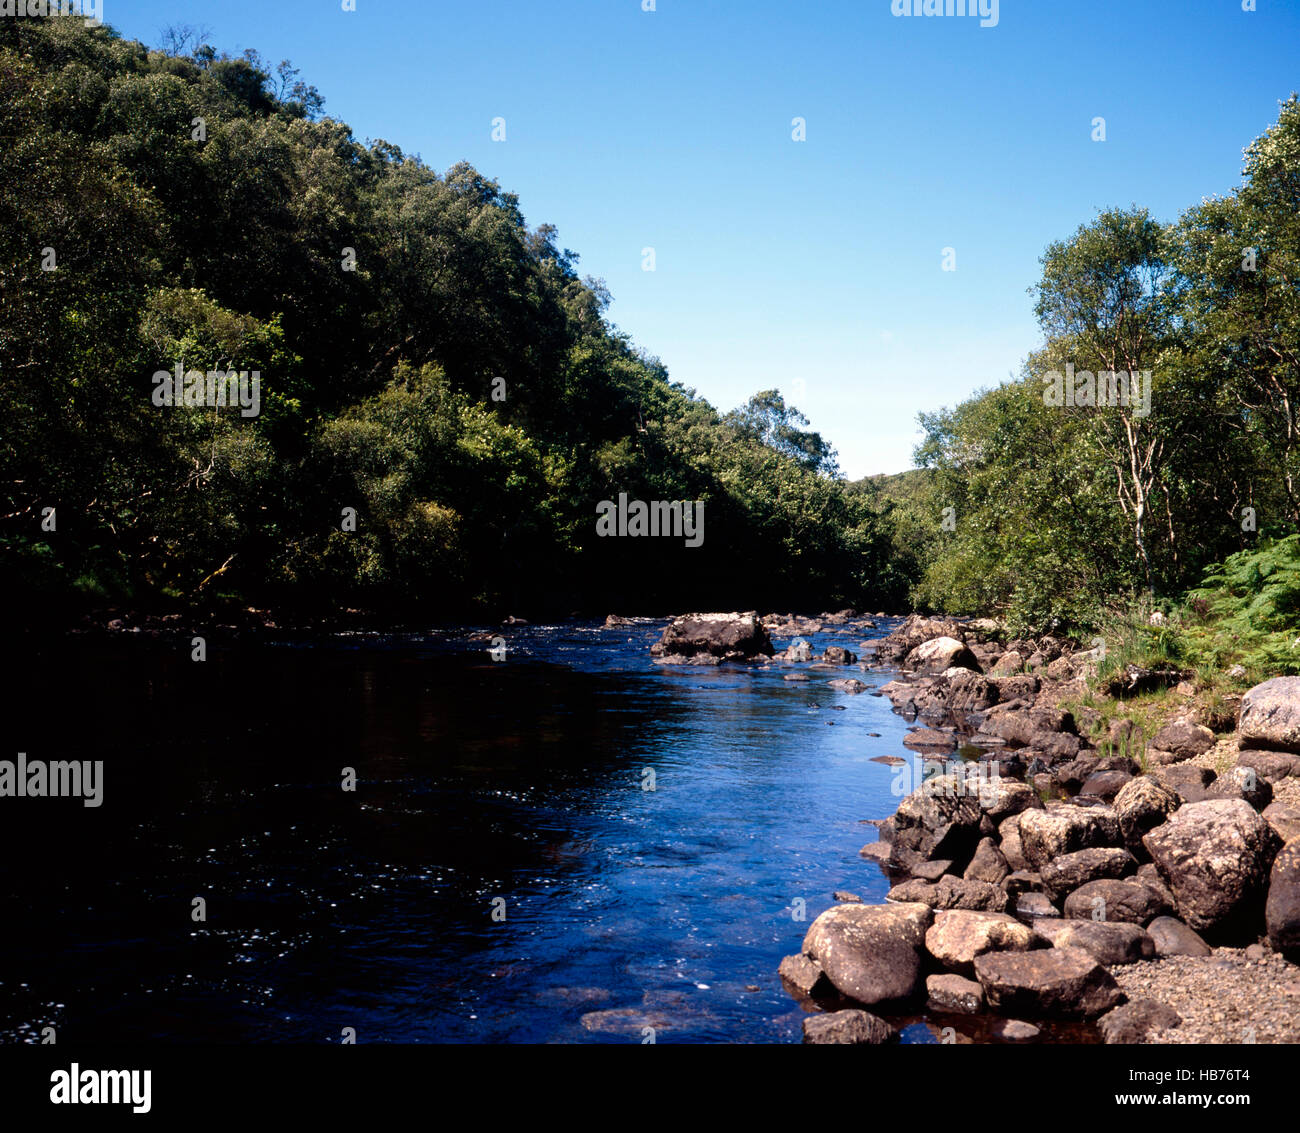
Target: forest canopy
x=424, y=358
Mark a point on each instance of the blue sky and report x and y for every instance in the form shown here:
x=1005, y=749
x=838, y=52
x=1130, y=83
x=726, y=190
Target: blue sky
x=813, y=267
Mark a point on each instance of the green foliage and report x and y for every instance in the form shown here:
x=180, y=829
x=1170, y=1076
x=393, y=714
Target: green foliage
x=1068, y=515
x=204, y=213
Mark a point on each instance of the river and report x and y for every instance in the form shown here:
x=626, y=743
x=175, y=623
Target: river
x=503, y=871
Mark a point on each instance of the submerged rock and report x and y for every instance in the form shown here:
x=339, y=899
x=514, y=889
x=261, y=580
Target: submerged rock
x=847, y=1028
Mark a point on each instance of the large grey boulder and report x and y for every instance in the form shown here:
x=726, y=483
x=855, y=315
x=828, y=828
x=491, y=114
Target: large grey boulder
x=871, y=953
x=1270, y=715
x=1215, y=856
x=940, y=654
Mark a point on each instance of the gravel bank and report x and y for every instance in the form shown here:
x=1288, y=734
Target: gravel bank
x=1224, y=998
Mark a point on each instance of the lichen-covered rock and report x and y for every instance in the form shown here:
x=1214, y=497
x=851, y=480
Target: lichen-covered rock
x=1108, y=942
x=951, y=893
x=1243, y=783
x=847, y=1028
x=1108, y=900
x=871, y=953
x=1143, y=804
x=959, y=935
x=1282, y=909
x=1064, y=874
x=1052, y=982
x=805, y=976
x=988, y=864
x=1215, y=856
x=954, y=994
x=1270, y=715
x=1046, y=835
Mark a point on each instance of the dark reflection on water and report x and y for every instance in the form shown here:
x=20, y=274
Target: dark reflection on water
x=520, y=780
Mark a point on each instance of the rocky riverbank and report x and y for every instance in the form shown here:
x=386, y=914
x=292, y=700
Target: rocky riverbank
x=1046, y=869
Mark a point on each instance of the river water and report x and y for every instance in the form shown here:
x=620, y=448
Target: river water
x=502, y=873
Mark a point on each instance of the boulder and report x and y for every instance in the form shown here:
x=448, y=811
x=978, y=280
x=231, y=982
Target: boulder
x=954, y=994
x=959, y=935
x=848, y=684
x=1005, y=798
x=1243, y=783
x=836, y=655
x=930, y=739
x=951, y=893
x=1032, y=907
x=1053, y=982
x=1108, y=942
x=1019, y=686
x=871, y=953
x=940, y=819
x=1274, y=765
x=939, y=654
x=1049, y=834
x=805, y=976
x=1105, y=784
x=1173, y=938
x=1215, y=856
x=1143, y=804
x=1181, y=740
x=1270, y=715
x=1189, y=781
x=1112, y=900
x=1064, y=874
x=988, y=864
x=1136, y=1021
x=847, y=1028
x=1009, y=664
x=968, y=691
x=725, y=636
x=1062, y=669
x=1282, y=909
x=1284, y=819
x=1009, y=842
